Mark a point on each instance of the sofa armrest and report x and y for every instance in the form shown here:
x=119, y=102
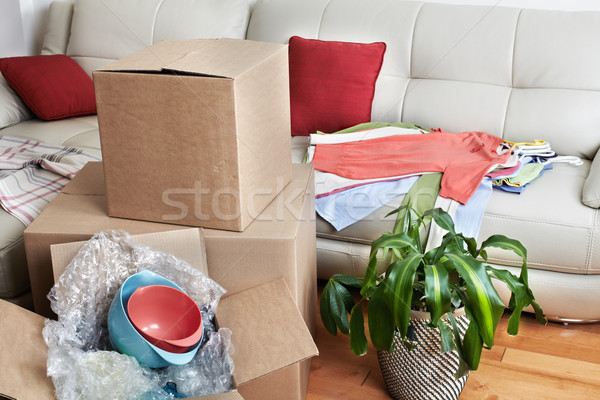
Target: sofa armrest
x=590, y=195
x=58, y=29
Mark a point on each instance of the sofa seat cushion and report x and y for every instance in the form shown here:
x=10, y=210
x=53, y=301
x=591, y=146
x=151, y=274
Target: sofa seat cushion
x=547, y=216
x=62, y=132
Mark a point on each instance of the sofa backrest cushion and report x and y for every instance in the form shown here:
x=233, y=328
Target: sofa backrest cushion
x=517, y=73
x=106, y=30
x=58, y=28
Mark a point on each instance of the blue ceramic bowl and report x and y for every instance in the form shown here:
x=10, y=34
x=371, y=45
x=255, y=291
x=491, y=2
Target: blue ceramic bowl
x=127, y=340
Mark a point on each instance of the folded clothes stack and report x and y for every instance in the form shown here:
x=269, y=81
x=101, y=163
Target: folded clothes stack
x=362, y=168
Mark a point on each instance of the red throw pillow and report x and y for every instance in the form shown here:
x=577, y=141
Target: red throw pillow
x=332, y=84
x=52, y=86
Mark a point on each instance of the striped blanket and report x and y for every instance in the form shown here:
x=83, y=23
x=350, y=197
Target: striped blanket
x=32, y=173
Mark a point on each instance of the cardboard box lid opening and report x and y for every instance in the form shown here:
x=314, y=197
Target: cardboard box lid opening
x=268, y=330
x=220, y=58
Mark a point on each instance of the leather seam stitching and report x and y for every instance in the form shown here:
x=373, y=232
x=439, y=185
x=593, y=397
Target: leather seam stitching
x=530, y=264
x=154, y=20
x=536, y=221
x=321, y=20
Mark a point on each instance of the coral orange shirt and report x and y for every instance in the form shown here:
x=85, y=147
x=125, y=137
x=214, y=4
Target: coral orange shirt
x=464, y=158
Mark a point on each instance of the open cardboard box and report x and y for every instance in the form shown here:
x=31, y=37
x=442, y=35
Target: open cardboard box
x=195, y=132
x=269, y=334
x=279, y=243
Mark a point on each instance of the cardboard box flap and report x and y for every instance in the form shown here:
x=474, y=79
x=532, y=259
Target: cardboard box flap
x=268, y=330
x=153, y=58
x=89, y=181
x=229, y=58
x=23, y=354
x=187, y=244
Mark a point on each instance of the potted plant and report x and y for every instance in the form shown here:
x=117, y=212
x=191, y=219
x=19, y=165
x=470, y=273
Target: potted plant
x=450, y=286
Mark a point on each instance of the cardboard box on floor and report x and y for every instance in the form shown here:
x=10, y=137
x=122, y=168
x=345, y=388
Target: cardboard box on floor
x=263, y=314
x=280, y=243
x=195, y=132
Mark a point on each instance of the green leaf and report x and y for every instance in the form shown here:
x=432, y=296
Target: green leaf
x=472, y=346
x=463, y=368
x=396, y=211
x=344, y=295
x=358, y=340
x=399, y=289
x=348, y=280
x=442, y=219
x=398, y=241
x=434, y=255
x=485, y=304
x=437, y=291
x=370, y=276
x=447, y=344
x=471, y=245
x=337, y=307
x=502, y=242
x=409, y=346
x=483, y=254
x=326, y=311
x=381, y=321
x=539, y=313
x=521, y=298
x=393, y=241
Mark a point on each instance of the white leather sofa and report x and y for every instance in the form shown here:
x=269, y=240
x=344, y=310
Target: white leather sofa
x=517, y=73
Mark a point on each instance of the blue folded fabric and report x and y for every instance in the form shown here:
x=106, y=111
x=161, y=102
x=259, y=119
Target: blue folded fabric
x=468, y=216
x=345, y=208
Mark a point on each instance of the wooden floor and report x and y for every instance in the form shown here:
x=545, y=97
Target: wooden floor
x=540, y=363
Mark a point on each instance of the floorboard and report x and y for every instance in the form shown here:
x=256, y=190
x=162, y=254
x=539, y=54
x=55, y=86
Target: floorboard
x=549, y=362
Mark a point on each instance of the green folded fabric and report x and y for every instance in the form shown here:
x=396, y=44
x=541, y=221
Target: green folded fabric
x=527, y=173
x=375, y=125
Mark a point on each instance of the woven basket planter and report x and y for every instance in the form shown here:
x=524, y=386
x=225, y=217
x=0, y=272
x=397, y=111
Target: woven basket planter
x=423, y=373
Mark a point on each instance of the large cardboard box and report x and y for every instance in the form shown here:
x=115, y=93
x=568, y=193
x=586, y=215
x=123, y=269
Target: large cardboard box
x=280, y=243
x=195, y=132
x=277, y=322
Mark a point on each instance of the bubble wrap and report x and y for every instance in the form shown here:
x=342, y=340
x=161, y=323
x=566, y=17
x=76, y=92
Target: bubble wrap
x=81, y=362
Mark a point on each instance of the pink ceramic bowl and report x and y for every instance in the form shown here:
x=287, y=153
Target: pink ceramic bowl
x=166, y=317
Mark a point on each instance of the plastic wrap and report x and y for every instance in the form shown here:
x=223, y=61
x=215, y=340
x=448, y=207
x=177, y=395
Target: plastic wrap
x=81, y=362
